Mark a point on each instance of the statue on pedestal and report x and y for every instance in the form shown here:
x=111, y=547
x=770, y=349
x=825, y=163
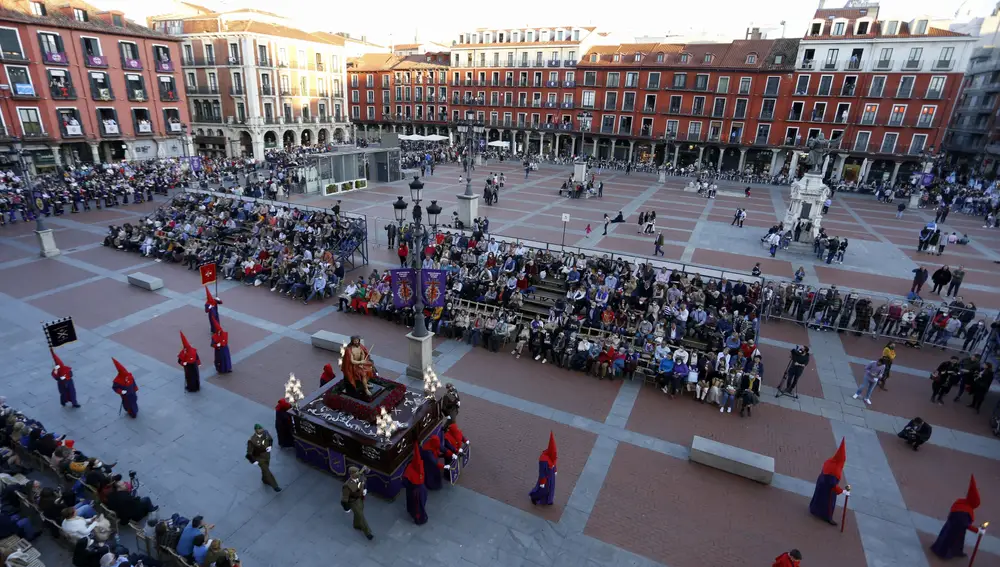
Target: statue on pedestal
x=357, y=366
x=818, y=148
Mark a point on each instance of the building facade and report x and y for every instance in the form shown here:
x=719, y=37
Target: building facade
x=883, y=89
x=404, y=94
x=85, y=86
x=880, y=91
x=254, y=82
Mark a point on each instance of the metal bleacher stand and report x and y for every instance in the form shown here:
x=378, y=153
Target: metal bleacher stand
x=550, y=289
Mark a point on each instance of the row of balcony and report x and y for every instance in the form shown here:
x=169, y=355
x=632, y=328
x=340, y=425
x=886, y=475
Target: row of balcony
x=850, y=91
x=237, y=60
x=855, y=64
x=522, y=64
x=513, y=83
x=90, y=60
x=108, y=127
x=63, y=91
x=265, y=90
x=271, y=120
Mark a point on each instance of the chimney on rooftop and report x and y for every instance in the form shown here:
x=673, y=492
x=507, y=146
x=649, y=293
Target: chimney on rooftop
x=755, y=33
x=821, y=4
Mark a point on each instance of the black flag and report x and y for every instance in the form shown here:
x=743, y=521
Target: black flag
x=60, y=332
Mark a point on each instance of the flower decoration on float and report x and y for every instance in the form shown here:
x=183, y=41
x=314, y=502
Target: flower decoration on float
x=385, y=426
x=293, y=391
x=431, y=383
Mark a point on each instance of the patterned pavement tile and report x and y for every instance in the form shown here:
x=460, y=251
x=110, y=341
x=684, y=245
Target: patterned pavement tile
x=261, y=377
x=36, y=277
x=536, y=382
x=109, y=258
x=909, y=396
x=97, y=303
x=159, y=337
x=506, y=444
x=687, y=515
x=793, y=438
x=932, y=478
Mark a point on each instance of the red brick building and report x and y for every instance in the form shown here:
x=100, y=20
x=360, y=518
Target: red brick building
x=408, y=94
x=82, y=86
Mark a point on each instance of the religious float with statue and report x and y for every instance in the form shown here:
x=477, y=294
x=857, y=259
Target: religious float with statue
x=365, y=420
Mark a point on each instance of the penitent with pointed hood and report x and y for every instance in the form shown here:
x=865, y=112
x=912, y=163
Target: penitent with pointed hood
x=124, y=384
x=824, y=499
x=961, y=519
x=545, y=488
x=212, y=304
x=327, y=376
x=63, y=375
x=190, y=361
x=220, y=342
x=416, y=491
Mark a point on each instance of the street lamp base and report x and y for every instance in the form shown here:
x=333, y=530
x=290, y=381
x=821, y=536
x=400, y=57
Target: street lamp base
x=421, y=353
x=468, y=209
x=47, y=243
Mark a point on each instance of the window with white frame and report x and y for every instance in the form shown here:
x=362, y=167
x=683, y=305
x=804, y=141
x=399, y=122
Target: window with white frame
x=918, y=143
x=897, y=115
x=926, y=118
x=861, y=141
x=889, y=143
x=31, y=121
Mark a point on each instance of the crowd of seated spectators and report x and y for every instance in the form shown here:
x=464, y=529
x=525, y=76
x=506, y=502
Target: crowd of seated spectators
x=88, y=503
x=297, y=252
x=611, y=318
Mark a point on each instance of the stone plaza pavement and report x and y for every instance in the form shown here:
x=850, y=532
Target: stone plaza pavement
x=626, y=493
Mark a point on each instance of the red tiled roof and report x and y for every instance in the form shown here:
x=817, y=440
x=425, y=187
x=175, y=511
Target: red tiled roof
x=727, y=55
x=904, y=32
x=736, y=55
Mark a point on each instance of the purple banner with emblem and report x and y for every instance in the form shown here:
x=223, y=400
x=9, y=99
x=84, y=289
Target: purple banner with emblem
x=434, y=285
x=403, y=288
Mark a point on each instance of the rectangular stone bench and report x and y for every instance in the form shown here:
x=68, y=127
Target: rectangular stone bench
x=326, y=341
x=732, y=460
x=145, y=281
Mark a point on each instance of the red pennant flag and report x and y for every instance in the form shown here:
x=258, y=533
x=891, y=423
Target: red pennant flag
x=207, y=273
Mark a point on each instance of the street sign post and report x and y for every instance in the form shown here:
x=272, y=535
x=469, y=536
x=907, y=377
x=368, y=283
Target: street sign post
x=565, y=220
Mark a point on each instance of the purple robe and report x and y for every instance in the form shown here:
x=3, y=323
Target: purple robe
x=130, y=398
x=213, y=312
x=433, y=479
x=223, y=361
x=544, y=494
x=824, y=499
x=416, y=501
x=951, y=540
x=283, y=428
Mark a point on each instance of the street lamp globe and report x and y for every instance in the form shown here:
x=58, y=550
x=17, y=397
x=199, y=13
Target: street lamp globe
x=433, y=210
x=399, y=208
x=416, y=186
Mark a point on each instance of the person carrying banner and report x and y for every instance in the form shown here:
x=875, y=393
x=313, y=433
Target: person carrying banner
x=212, y=304
x=63, y=376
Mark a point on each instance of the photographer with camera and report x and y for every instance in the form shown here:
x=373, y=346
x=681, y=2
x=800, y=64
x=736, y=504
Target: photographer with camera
x=916, y=433
x=796, y=365
x=126, y=505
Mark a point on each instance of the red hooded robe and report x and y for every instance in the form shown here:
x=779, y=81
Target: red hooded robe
x=416, y=492
x=824, y=498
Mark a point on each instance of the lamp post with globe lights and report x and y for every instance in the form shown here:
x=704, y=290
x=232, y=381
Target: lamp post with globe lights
x=420, y=343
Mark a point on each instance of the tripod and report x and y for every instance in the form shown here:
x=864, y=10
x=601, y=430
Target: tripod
x=791, y=392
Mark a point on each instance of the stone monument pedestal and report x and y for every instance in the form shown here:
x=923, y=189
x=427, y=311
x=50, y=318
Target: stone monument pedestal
x=421, y=352
x=580, y=172
x=914, y=199
x=47, y=243
x=468, y=209
x=662, y=176
x=807, y=198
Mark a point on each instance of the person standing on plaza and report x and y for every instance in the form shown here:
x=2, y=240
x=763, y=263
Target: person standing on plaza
x=587, y=230
x=63, y=375
x=124, y=384
x=545, y=489
x=220, y=342
x=658, y=245
x=189, y=360
x=607, y=221
x=961, y=519
x=212, y=304
x=352, y=498
x=920, y=275
x=981, y=385
x=773, y=240
x=899, y=210
x=390, y=231
x=416, y=492
x=941, y=278
x=888, y=355
x=873, y=373
x=796, y=365
x=957, y=276
x=642, y=222
x=824, y=499
x=259, y=453
x=403, y=251
x=943, y=378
